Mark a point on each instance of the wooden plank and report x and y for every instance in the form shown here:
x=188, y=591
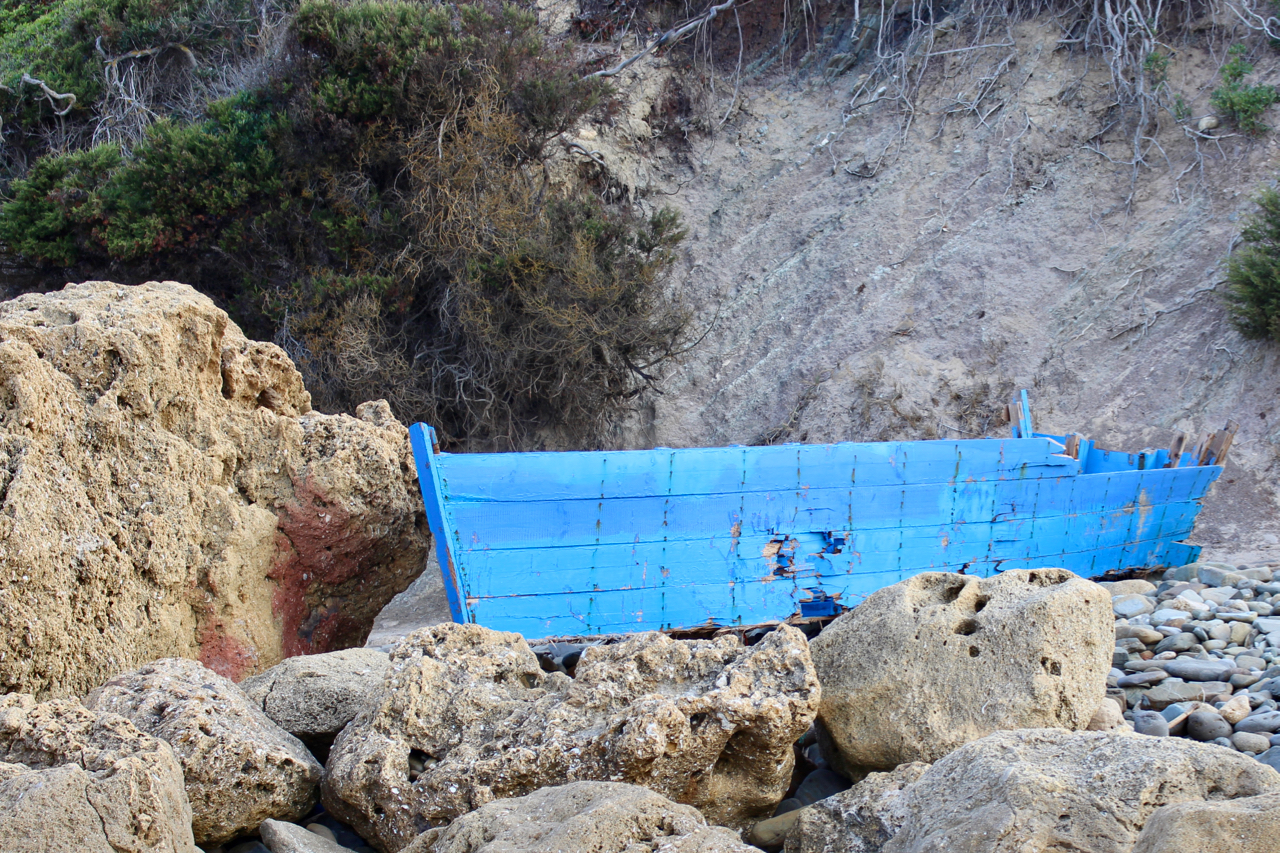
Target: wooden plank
x=616, y=474
x=1216, y=447
x=1175, y=449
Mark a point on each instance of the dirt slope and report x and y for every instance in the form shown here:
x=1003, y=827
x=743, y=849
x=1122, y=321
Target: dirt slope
x=990, y=251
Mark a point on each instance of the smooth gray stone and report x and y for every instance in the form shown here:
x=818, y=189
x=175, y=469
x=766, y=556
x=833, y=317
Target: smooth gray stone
x=1169, y=692
x=1199, y=670
x=1207, y=726
x=1138, y=679
x=1177, y=643
x=1259, y=722
x=1174, y=711
x=1271, y=757
x=1150, y=723
x=1275, y=740
x=820, y=784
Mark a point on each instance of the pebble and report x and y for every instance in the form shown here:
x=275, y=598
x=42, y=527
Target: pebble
x=322, y=831
x=1199, y=670
x=1271, y=757
x=1149, y=636
x=1207, y=726
x=1235, y=710
x=819, y=785
x=1129, y=606
x=1177, y=643
x=1250, y=742
x=1260, y=722
x=1201, y=636
x=1150, y=723
x=1138, y=679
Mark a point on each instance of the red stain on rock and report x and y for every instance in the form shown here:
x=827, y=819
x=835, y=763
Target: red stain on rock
x=321, y=556
x=225, y=655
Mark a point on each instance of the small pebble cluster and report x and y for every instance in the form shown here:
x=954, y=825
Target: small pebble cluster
x=1196, y=655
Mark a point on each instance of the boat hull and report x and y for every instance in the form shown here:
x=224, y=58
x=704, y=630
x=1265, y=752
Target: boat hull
x=582, y=543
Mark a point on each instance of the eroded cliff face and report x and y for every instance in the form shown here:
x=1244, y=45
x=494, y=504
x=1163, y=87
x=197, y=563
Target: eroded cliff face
x=879, y=273
x=166, y=491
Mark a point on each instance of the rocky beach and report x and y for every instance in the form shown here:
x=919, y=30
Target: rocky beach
x=1029, y=711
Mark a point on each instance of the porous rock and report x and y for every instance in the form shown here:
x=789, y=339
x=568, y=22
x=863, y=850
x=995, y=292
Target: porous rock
x=318, y=694
x=957, y=658
x=582, y=817
x=76, y=781
x=166, y=491
x=1246, y=825
x=859, y=820
x=240, y=767
x=1041, y=790
x=467, y=716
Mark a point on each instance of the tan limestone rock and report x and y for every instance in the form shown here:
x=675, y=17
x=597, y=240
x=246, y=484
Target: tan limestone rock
x=467, y=716
x=1045, y=790
x=76, y=781
x=1246, y=825
x=240, y=768
x=582, y=817
x=926, y=665
x=166, y=491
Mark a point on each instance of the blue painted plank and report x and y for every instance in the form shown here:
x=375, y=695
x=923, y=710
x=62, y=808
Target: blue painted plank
x=585, y=542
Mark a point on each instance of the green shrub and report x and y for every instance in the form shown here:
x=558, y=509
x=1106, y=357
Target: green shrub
x=56, y=213
x=1242, y=103
x=183, y=185
x=381, y=206
x=1253, y=272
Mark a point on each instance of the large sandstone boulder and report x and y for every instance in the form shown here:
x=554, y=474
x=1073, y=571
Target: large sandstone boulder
x=859, y=820
x=582, y=817
x=926, y=665
x=1049, y=790
x=75, y=781
x=316, y=695
x=166, y=491
x=1247, y=825
x=240, y=767
x=467, y=717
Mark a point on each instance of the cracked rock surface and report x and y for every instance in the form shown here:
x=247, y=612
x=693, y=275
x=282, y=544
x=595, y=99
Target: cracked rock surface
x=79, y=781
x=466, y=716
x=582, y=817
x=240, y=767
x=929, y=664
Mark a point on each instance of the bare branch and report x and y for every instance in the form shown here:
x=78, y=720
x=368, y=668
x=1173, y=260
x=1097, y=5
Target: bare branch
x=53, y=96
x=671, y=36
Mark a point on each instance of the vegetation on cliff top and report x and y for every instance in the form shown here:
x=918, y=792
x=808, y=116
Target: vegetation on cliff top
x=377, y=199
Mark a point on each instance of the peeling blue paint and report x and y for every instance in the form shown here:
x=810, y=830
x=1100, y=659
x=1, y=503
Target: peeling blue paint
x=600, y=542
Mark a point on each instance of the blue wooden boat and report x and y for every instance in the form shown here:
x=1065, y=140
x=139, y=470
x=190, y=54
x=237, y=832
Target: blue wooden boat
x=581, y=543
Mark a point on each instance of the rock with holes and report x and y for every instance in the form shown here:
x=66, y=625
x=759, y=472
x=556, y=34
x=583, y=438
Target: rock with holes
x=1246, y=825
x=467, y=716
x=314, y=695
x=78, y=781
x=582, y=817
x=1049, y=790
x=240, y=767
x=166, y=491
x=927, y=665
